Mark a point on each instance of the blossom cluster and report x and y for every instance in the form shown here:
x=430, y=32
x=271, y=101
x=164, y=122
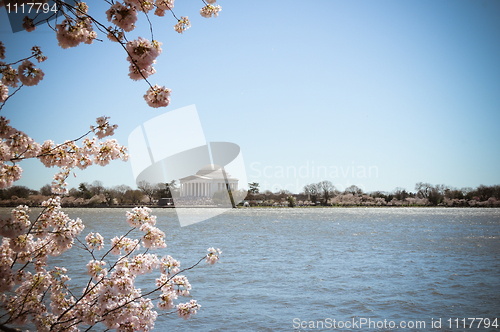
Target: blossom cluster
x=26, y=72
x=182, y=25
x=94, y=241
x=140, y=218
x=34, y=290
x=158, y=96
x=211, y=9
x=123, y=16
x=15, y=145
x=142, y=55
x=103, y=128
x=77, y=27
x=110, y=297
x=186, y=310
x=213, y=255
x=73, y=32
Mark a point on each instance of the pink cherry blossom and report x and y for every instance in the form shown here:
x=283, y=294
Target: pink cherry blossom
x=210, y=10
x=140, y=216
x=182, y=25
x=32, y=289
x=154, y=237
x=4, y=92
x=213, y=255
x=164, y=4
x=158, y=96
x=17, y=224
x=141, y=5
x=142, y=52
x=82, y=9
x=71, y=33
x=123, y=16
x=9, y=174
x=10, y=77
x=128, y=245
x=181, y=285
x=103, y=128
x=6, y=153
x=169, y=266
x=186, y=310
x=108, y=151
x=115, y=35
x=28, y=74
x=95, y=241
x=96, y=269
x=59, y=184
x=141, y=74
x=37, y=53
x=5, y=129
x=143, y=263
x=167, y=300
x=28, y=24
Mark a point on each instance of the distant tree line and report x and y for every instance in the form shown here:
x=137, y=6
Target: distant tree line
x=94, y=194
x=324, y=193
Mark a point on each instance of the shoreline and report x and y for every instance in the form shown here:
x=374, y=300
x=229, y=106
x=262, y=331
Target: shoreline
x=261, y=207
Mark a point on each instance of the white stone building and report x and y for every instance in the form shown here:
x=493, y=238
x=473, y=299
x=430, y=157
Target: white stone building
x=206, y=182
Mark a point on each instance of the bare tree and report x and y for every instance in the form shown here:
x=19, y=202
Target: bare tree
x=312, y=191
x=119, y=192
x=147, y=189
x=46, y=190
x=96, y=188
x=355, y=190
x=327, y=190
x=400, y=194
x=423, y=189
x=283, y=193
x=132, y=196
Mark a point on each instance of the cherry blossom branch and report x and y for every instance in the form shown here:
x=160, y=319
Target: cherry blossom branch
x=87, y=290
x=54, y=230
x=170, y=9
x=154, y=290
x=84, y=247
x=48, y=153
x=99, y=24
x=23, y=303
x=13, y=93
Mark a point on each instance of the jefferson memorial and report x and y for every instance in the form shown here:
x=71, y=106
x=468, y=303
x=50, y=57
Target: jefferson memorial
x=206, y=182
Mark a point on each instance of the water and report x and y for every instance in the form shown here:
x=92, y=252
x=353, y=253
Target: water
x=281, y=268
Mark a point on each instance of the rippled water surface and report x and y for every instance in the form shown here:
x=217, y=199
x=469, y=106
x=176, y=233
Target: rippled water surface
x=398, y=264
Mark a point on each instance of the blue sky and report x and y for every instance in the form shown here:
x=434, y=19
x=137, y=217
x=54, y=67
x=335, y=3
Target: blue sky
x=380, y=94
